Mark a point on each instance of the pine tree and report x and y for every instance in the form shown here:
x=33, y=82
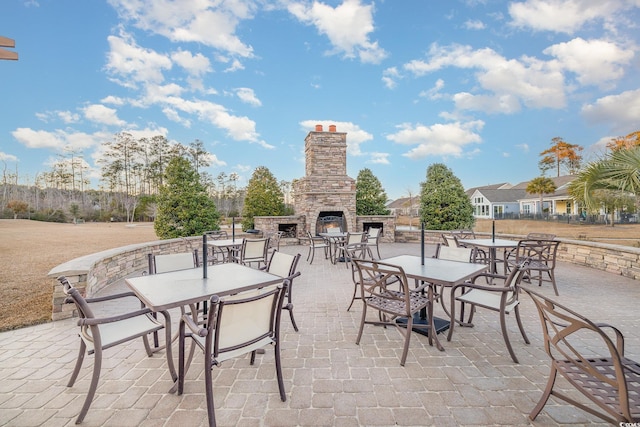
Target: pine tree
x=371, y=198
x=264, y=197
x=443, y=203
x=184, y=208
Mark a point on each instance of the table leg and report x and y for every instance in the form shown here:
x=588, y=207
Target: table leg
x=168, y=339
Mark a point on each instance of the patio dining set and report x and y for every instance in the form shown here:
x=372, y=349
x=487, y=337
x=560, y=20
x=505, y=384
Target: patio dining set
x=230, y=295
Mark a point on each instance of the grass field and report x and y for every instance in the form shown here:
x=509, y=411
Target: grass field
x=30, y=249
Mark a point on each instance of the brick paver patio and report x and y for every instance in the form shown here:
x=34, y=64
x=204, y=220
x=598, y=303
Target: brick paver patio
x=330, y=381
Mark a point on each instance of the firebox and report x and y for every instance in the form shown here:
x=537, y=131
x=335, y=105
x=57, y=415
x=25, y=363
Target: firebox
x=330, y=219
x=288, y=230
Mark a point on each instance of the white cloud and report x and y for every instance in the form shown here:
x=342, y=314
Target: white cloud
x=347, y=26
x=68, y=116
x=528, y=81
x=100, y=114
x=440, y=139
x=7, y=157
x=379, y=158
x=474, y=24
x=59, y=140
x=619, y=111
x=248, y=96
x=355, y=135
x=132, y=64
x=563, y=16
x=114, y=100
x=211, y=23
x=434, y=92
x=595, y=62
x=39, y=138
x=196, y=65
x=389, y=77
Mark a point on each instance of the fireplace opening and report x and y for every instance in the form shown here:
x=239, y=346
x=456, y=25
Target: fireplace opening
x=288, y=230
x=367, y=225
x=330, y=219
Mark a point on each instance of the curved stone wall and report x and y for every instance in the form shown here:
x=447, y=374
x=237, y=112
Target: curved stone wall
x=94, y=272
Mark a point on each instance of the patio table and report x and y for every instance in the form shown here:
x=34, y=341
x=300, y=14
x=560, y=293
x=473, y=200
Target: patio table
x=436, y=272
x=162, y=292
x=335, y=239
x=492, y=245
x=228, y=245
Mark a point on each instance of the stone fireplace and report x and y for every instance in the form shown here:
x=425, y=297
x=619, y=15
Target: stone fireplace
x=326, y=196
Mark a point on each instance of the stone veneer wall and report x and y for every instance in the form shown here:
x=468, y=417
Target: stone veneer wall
x=616, y=259
x=97, y=271
x=388, y=225
x=269, y=224
x=326, y=186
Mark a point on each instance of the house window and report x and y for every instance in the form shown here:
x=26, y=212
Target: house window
x=526, y=209
x=478, y=200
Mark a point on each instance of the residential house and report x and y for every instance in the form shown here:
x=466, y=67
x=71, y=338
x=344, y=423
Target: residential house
x=495, y=201
x=405, y=206
x=557, y=203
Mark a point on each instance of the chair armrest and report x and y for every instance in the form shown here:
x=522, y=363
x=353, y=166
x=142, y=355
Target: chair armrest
x=619, y=337
x=111, y=297
x=102, y=320
x=193, y=326
x=498, y=289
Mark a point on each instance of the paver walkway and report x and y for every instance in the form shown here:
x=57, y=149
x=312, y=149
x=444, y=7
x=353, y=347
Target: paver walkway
x=330, y=381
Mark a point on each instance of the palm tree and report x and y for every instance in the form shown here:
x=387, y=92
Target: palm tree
x=618, y=173
x=541, y=185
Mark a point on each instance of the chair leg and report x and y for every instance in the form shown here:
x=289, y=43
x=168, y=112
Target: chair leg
x=208, y=381
x=407, y=339
x=353, y=297
x=545, y=396
x=312, y=252
x=76, y=370
x=364, y=317
x=283, y=395
x=289, y=307
x=505, y=335
x=519, y=320
x=97, y=365
x=552, y=276
x=378, y=250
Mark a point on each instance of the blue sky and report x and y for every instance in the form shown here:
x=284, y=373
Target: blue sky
x=480, y=85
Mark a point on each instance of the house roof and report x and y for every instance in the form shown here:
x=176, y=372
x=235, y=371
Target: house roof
x=562, y=188
x=403, y=203
x=503, y=192
x=502, y=195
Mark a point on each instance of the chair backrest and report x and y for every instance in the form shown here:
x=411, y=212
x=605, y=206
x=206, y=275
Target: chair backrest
x=334, y=230
x=460, y=254
x=373, y=234
x=512, y=283
x=449, y=240
x=374, y=276
x=353, y=238
x=564, y=331
x=172, y=262
x=217, y=234
x=283, y=265
x=242, y=323
x=541, y=251
x=540, y=236
x=255, y=249
x=74, y=296
x=464, y=234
